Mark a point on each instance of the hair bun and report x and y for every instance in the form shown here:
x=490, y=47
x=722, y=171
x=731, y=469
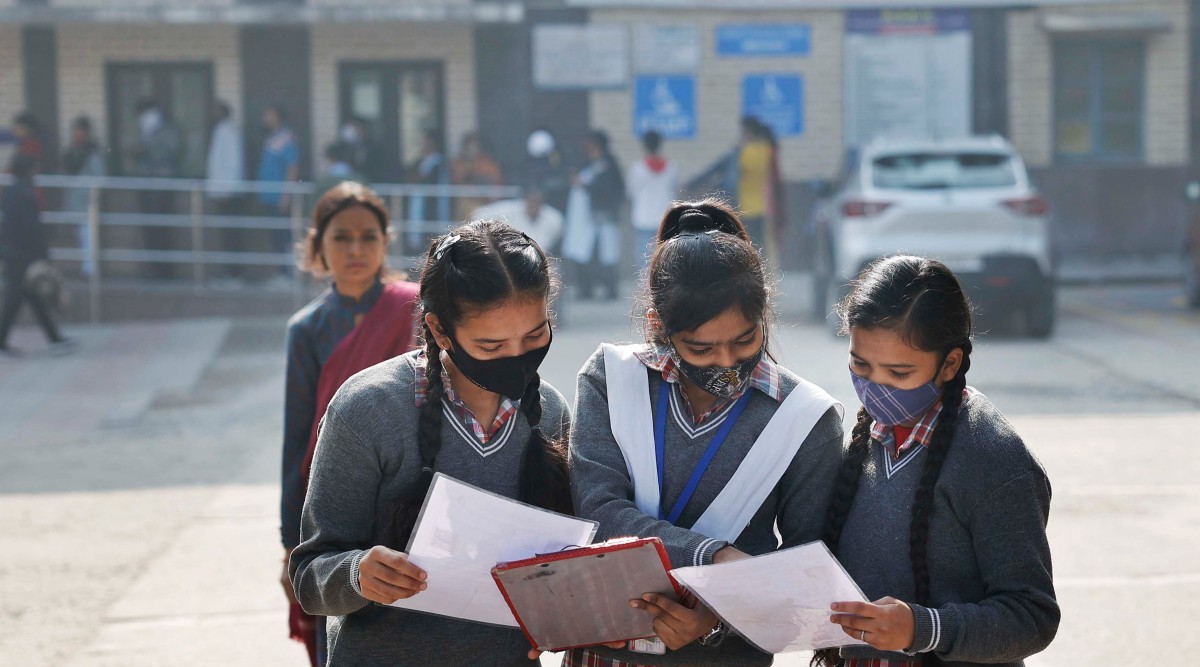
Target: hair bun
x=695, y=221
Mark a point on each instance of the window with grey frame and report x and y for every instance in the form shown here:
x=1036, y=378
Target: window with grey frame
x=1099, y=100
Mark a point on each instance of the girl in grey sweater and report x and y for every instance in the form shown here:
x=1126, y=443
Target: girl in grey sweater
x=704, y=404
x=470, y=405
x=940, y=510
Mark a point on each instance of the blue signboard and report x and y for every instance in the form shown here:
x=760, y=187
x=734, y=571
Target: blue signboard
x=907, y=21
x=665, y=104
x=777, y=100
x=793, y=39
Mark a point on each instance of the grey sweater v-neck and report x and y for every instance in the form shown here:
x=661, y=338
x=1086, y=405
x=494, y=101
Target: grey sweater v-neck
x=602, y=490
x=367, y=457
x=989, y=560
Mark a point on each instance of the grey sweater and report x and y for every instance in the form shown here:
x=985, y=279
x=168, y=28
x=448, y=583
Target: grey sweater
x=989, y=560
x=602, y=490
x=367, y=457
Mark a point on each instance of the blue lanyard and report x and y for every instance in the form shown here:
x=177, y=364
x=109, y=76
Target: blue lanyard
x=660, y=439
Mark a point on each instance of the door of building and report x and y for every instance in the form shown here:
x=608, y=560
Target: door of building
x=184, y=92
x=398, y=102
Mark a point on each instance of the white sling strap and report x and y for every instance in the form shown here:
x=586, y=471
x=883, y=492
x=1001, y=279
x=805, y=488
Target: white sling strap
x=733, y=508
x=633, y=422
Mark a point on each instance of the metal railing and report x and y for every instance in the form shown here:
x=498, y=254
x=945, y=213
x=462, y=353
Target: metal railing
x=200, y=219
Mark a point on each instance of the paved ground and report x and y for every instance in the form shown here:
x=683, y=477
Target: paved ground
x=138, y=479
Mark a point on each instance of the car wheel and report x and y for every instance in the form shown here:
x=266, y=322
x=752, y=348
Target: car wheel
x=1040, y=316
x=1191, y=283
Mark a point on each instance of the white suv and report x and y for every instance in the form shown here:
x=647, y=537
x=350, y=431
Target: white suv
x=967, y=202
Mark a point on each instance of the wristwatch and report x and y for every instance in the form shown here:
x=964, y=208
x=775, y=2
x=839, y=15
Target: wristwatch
x=715, y=636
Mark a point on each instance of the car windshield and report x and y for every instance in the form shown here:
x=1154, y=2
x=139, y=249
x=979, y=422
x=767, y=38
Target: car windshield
x=943, y=171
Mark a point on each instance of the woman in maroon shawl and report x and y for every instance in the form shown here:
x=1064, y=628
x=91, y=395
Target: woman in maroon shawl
x=361, y=320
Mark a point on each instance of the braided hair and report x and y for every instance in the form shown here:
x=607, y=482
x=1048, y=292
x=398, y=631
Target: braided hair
x=480, y=265
x=703, y=264
x=922, y=301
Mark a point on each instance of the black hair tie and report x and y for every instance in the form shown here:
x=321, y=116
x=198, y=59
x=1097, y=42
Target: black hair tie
x=695, y=222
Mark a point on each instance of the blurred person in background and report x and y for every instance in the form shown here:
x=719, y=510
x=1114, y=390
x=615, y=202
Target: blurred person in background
x=474, y=166
x=652, y=184
x=225, y=163
x=27, y=131
x=546, y=169
x=749, y=174
x=83, y=158
x=22, y=244
x=364, y=318
x=336, y=167
x=592, y=241
x=158, y=154
x=362, y=151
x=530, y=214
x=279, y=163
x=431, y=168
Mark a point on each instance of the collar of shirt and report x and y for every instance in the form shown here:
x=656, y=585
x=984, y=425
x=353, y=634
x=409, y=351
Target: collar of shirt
x=764, y=378
x=359, y=305
x=508, y=407
x=922, y=431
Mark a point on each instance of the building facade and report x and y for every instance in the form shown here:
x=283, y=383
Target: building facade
x=1100, y=97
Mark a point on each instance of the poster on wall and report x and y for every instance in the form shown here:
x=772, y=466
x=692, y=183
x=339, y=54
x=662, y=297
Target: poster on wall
x=666, y=49
x=784, y=39
x=907, y=74
x=665, y=104
x=575, y=56
x=777, y=100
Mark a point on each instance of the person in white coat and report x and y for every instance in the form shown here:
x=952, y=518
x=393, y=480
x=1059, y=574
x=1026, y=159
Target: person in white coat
x=652, y=184
x=226, y=162
x=530, y=214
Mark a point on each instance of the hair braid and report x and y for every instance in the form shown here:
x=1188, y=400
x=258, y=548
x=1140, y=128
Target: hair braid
x=847, y=483
x=544, y=480
x=844, y=491
x=396, y=526
x=939, y=446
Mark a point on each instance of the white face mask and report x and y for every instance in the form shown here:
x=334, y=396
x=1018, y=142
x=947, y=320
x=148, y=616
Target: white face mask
x=349, y=133
x=149, y=121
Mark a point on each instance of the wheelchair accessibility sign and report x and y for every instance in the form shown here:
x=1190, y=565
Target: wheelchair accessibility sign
x=777, y=100
x=665, y=104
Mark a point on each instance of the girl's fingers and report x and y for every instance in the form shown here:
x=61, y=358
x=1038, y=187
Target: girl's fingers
x=382, y=591
x=399, y=580
x=398, y=562
x=857, y=608
x=848, y=620
x=668, y=606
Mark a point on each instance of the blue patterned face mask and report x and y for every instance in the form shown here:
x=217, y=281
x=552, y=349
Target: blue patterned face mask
x=891, y=406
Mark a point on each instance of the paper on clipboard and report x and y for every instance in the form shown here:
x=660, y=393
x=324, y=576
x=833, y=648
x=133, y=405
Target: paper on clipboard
x=580, y=597
x=463, y=531
x=779, y=602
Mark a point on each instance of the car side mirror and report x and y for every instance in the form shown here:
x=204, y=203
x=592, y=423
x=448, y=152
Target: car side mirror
x=1192, y=191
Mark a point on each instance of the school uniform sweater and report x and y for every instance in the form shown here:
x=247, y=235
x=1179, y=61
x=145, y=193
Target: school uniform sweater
x=367, y=457
x=991, y=590
x=603, y=491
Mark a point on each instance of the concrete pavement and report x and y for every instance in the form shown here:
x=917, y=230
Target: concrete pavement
x=138, y=486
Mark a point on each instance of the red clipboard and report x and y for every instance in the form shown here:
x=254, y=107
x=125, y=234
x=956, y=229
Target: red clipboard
x=580, y=597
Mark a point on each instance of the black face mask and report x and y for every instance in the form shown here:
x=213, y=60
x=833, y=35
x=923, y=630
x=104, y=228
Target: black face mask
x=720, y=381
x=507, y=376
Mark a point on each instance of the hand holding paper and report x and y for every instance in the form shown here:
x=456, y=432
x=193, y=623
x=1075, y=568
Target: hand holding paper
x=463, y=531
x=779, y=602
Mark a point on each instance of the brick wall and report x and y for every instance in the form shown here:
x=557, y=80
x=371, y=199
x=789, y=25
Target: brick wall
x=454, y=45
x=814, y=154
x=84, y=50
x=1031, y=82
x=12, y=77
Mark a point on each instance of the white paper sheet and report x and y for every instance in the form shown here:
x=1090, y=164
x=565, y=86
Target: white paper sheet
x=780, y=601
x=463, y=531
